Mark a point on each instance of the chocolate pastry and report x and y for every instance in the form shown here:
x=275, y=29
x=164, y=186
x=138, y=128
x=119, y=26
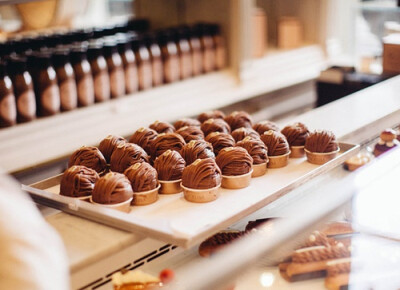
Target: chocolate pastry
x=296, y=134
x=275, y=142
x=78, y=181
x=197, y=149
x=256, y=148
x=217, y=241
x=108, y=144
x=216, y=114
x=190, y=133
x=169, y=165
x=201, y=174
x=126, y=155
x=162, y=127
x=112, y=188
x=320, y=253
x=163, y=142
x=321, y=141
x=386, y=142
x=186, y=122
x=259, y=222
x=265, y=126
x=215, y=125
x=241, y=133
x=90, y=157
x=239, y=119
x=220, y=140
x=234, y=161
x=143, y=177
x=144, y=137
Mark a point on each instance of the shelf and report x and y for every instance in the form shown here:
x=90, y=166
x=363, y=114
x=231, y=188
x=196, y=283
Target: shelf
x=48, y=139
x=380, y=6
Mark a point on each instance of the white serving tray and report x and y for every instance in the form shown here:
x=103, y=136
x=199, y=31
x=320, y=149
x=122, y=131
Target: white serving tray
x=177, y=221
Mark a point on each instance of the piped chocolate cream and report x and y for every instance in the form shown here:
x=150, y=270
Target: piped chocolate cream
x=197, y=149
x=201, y=174
x=275, y=142
x=215, y=125
x=112, y=188
x=321, y=141
x=296, y=134
x=126, y=155
x=78, y=181
x=162, y=127
x=186, y=122
x=241, y=133
x=169, y=165
x=144, y=137
x=143, y=177
x=239, y=119
x=220, y=140
x=216, y=114
x=108, y=145
x=256, y=148
x=163, y=142
x=190, y=133
x=90, y=157
x=234, y=161
x=264, y=126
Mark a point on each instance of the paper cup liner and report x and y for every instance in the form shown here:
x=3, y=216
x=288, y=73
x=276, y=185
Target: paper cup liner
x=236, y=182
x=170, y=187
x=259, y=169
x=320, y=158
x=122, y=206
x=201, y=195
x=145, y=197
x=278, y=161
x=296, y=151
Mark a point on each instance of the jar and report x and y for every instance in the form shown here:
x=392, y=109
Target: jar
x=182, y=41
x=66, y=80
x=129, y=64
x=144, y=64
x=195, y=48
x=98, y=65
x=169, y=55
x=219, y=44
x=8, y=110
x=83, y=76
x=155, y=56
x=115, y=69
x=207, y=47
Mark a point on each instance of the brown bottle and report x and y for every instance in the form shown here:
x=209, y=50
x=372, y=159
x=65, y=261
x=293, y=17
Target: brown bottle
x=184, y=52
x=219, y=44
x=23, y=89
x=129, y=64
x=144, y=64
x=195, y=48
x=45, y=84
x=66, y=80
x=83, y=76
x=155, y=55
x=207, y=47
x=115, y=69
x=169, y=54
x=101, y=79
x=8, y=110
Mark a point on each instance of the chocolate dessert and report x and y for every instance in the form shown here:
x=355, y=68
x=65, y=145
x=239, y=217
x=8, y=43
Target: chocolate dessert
x=144, y=137
x=78, y=181
x=387, y=141
x=90, y=157
x=215, y=125
x=296, y=134
x=169, y=165
x=218, y=241
x=201, y=174
x=220, y=140
x=241, y=133
x=112, y=188
x=265, y=126
x=143, y=177
x=216, y=114
x=190, y=133
x=108, y=144
x=275, y=142
x=164, y=142
x=256, y=148
x=239, y=119
x=197, y=149
x=126, y=155
x=189, y=122
x=234, y=161
x=321, y=141
x=162, y=127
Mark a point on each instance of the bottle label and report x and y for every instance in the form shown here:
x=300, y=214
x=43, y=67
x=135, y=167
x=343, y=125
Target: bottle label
x=102, y=87
x=186, y=66
x=68, y=95
x=26, y=104
x=171, y=69
x=131, y=79
x=117, y=83
x=8, y=109
x=145, y=76
x=85, y=91
x=158, y=76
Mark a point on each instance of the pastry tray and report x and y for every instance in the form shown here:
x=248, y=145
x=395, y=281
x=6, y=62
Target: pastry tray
x=182, y=223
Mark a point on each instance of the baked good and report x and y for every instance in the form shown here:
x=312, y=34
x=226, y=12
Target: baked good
x=215, y=125
x=321, y=141
x=134, y=280
x=190, y=133
x=257, y=223
x=216, y=114
x=169, y=165
x=90, y=157
x=338, y=274
x=78, y=181
x=164, y=142
x=143, y=177
x=256, y=148
x=201, y=174
x=219, y=141
x=189, y=122
x=112, y=188
x=108, y=144
x=386, y=142
x=357, y=161
x=265, y=126
x=239, y=119
x=234, y=161
x=216, y=242
x=143, y=137
x=296, y=134
x=241, y=133
x=162, y=127
x=197, y=149
x=275, y=142
x=126, y=155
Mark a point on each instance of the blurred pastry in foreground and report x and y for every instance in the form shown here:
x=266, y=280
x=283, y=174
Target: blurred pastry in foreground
x=78, y=181
x=357, y=161
x=135, y=280
x=90, y=157
x=216, y=114
x=216, y=242
x=239, y=119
